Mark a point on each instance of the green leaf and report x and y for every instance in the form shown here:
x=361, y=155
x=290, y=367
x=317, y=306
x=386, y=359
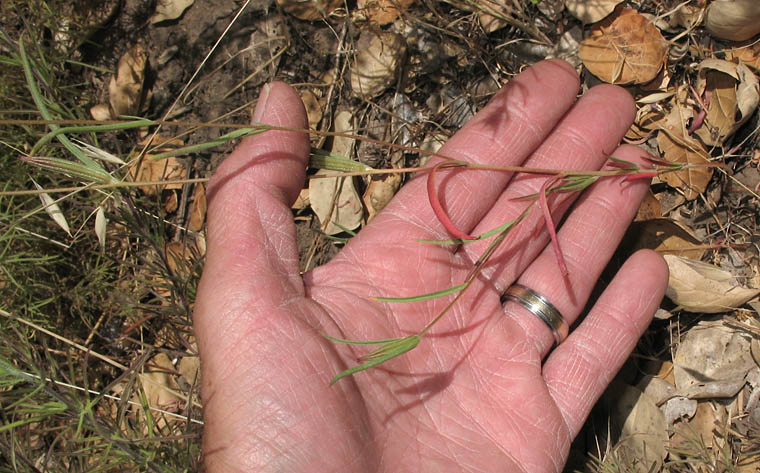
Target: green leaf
x=424, y=297
x=389, y=350
x=321, y=159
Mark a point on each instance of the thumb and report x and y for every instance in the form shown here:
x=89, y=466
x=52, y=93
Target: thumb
x=250, y=232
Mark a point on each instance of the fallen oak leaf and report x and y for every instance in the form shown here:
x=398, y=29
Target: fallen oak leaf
x=624, y=49
x=702, y=287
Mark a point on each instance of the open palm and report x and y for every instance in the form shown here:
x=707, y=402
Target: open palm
x=479, y=393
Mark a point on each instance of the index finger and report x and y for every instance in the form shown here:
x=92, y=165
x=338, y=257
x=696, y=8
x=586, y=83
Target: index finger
x=513, y=124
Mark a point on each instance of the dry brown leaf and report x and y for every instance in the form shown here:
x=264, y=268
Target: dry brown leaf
x=189, y=368
x=126, y=91
x=735, y=20
x=171, y=202
x=677, y=148
x=701, y=426
x=382, y=12
x=687, y=16
x=734, y=96
x=712, y=360
x=152, y=170
x=101, y=112
x=591, y=11
x=666, y=237
x=748, y=53
x=159, y=386
x=702, y=287
x=310, y=9
x=170, y=10
x=380, y=191
x=624, y=49
x=377, y=62
x=302, y=201
x=644, y=428
x=489, y=12
x=650, y=208
x=342, y=207
x=198, y=213
x=313, y=108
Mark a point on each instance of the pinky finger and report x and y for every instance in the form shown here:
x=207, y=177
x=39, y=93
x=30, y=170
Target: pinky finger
x=578, y=371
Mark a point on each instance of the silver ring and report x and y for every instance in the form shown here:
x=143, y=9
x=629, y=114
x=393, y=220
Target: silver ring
x=540, y=307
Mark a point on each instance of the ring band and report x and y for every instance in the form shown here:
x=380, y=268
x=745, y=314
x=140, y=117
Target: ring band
x=540, y=307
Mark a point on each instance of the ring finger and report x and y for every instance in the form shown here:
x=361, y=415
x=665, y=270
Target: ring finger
x=588, y=238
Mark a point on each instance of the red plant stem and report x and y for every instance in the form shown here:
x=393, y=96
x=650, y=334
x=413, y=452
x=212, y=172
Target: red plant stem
x=438, y=208
x=550, y=224
x=700, y=118
x=640, y=175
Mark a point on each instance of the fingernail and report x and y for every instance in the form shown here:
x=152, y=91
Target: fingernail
x=262, y=103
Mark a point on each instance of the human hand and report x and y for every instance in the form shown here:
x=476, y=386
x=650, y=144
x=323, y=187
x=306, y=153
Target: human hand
x=482, y=391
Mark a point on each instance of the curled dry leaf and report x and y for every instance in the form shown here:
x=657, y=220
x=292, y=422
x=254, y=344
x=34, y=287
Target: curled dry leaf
x=170, y=10
x=666, y=237
x=198, y=214
x=126, y=91
x=591, y=11
x=735, y=20
x=158, y=170
x=101, y=112
x=336, y=203
x=700, y=287
x=313, y=108
x=381, y=12
x=677, y=147
x=734, y=96
x=624, y=49
x=380, y=191
x=310, y=9
x=712, y=360
x=643, y=433
x=160, y=389
x=748, y=53
x=377, y=62
x=489, y=13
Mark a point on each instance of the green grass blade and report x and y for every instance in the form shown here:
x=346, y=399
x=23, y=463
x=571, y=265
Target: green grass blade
x=362, y=342
x=137, y=123
x=321, y=159
x=381, y=355
x=424, y=297
x=40, y=102
x=240, y=133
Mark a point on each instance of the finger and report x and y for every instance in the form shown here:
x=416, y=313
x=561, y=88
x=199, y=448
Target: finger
x=251, y=192
x=250, y=233
x=588, y=238
x=578, y=371
x=583, y=140
x=505, y=132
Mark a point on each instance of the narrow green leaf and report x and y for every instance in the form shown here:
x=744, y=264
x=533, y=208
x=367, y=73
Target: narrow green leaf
x=40, y=102
x=362, y=342
x=424, y=297
x=321, y=159
x=240, y=133
x=381, y=355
